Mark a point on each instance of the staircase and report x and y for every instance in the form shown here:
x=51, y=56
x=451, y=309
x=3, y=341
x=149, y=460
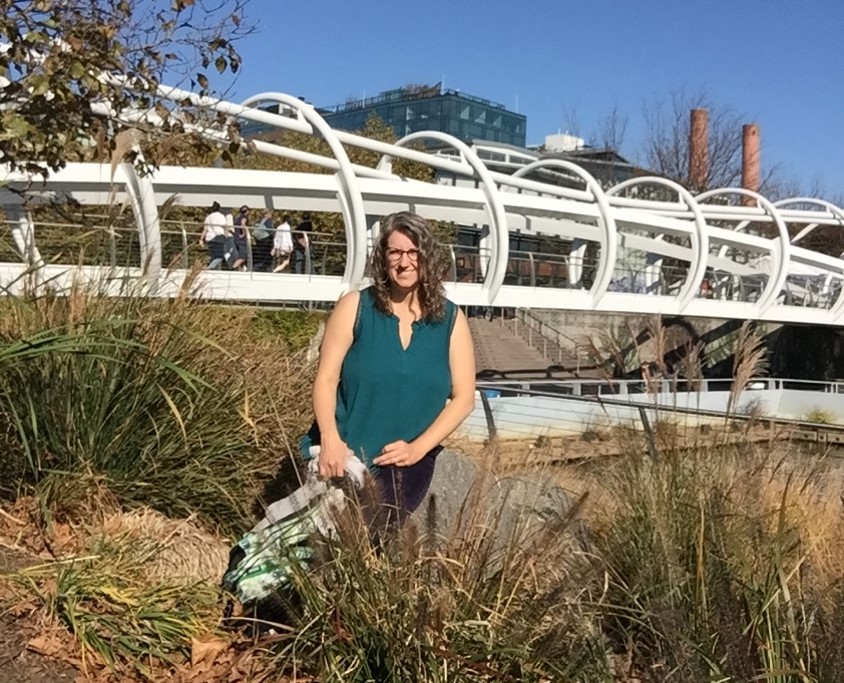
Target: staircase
x=556, y=354
x=500, y=347
x=509, y=347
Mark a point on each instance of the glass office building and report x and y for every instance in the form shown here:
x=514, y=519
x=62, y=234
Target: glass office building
x=414, y=108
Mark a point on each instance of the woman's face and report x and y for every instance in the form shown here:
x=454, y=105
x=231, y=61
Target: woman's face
x=402, y=260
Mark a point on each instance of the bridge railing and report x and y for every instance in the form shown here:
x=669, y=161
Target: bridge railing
x=106, y=240
x=665, y=385
x=703, y=255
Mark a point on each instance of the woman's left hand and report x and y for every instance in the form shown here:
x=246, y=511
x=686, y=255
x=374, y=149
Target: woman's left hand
x=398, y=454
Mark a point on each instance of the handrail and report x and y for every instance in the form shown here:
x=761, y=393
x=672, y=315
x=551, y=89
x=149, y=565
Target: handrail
x=734, y=415
x=703, y=385
x=526, y=316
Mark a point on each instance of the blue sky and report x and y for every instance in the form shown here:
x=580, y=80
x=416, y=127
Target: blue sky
x=779, y=62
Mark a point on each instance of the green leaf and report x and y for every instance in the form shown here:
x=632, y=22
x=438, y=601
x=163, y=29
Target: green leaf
x=39, y=85
x=14, y=126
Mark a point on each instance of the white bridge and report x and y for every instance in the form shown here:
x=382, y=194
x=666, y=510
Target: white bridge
x=643, y=246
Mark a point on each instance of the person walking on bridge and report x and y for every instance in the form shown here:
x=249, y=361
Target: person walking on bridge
x=214, y=235
x=396, y=373
x=282, y=244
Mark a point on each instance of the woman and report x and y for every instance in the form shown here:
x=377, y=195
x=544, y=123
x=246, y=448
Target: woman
x=392, y=356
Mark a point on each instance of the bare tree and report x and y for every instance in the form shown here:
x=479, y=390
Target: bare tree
x=667, y=138
x=611, y=130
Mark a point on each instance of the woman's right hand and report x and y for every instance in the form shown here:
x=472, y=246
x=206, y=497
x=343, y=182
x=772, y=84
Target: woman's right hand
x=333, y=454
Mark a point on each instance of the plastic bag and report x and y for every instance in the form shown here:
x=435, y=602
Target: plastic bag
x=261, y=562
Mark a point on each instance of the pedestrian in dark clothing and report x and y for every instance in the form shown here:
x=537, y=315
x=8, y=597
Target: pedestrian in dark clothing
x=302, y=255
x=264, y=233
x=241, y=238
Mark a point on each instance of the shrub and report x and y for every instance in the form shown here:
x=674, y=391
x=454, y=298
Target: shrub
x=707, y=556
x=820, y=416
x=464, y=608
x=128, y=394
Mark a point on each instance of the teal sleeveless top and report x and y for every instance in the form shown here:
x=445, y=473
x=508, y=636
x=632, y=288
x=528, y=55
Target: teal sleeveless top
x=388, y=393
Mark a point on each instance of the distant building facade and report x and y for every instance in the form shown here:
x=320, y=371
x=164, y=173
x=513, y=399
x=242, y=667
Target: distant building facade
x=430, y=107
x=415, y=108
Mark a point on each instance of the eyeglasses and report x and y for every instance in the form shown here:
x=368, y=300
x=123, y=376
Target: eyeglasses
x=396, y=254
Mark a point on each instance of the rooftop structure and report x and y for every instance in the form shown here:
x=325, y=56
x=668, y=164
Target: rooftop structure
x=414, y=108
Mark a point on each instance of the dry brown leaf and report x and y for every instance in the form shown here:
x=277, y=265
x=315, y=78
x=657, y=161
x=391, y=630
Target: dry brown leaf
x=204, y=652
x=22, y=608
x=63, y=537
x=48, y=644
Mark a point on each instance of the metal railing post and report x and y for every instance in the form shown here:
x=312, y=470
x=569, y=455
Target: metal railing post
x=490, y=419
x=532, y=270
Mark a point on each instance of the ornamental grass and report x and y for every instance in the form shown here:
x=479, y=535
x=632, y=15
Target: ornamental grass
x=139, y=437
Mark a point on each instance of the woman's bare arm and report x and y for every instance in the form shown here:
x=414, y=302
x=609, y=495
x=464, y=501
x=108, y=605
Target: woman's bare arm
x=339, y=334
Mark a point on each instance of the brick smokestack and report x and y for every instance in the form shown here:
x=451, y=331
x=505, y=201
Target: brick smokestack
x=699, y=149
x=751, y=175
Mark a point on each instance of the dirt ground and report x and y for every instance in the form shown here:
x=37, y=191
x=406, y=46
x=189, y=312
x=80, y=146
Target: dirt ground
x=19, y=664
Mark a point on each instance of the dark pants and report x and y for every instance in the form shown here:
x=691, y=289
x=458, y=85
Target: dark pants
x=402, y=489
x=299, y=262
x=262, y=258
x=216, y=252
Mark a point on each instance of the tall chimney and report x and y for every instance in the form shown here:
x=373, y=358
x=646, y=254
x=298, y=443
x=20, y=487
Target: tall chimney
x=750, y=164
x=699, y=149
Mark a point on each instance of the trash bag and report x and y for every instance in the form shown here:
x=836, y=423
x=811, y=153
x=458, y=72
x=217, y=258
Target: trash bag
x=262, y=561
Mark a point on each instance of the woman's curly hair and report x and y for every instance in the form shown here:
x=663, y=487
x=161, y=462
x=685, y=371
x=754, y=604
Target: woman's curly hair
x=432, y=265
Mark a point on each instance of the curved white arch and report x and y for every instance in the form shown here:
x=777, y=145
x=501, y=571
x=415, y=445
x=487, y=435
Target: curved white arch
x=351, y=202
x=781, y=259
x=700, y=237
x=829, y=206
x=837, y=308
x=609, y=244
x=495, y=209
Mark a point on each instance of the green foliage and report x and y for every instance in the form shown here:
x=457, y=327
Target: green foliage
x=59, y=51
x=820, y=416
x=129, y=395
x=296, y=328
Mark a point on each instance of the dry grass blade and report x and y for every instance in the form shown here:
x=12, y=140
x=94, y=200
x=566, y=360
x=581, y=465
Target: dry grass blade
x=750, y=360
